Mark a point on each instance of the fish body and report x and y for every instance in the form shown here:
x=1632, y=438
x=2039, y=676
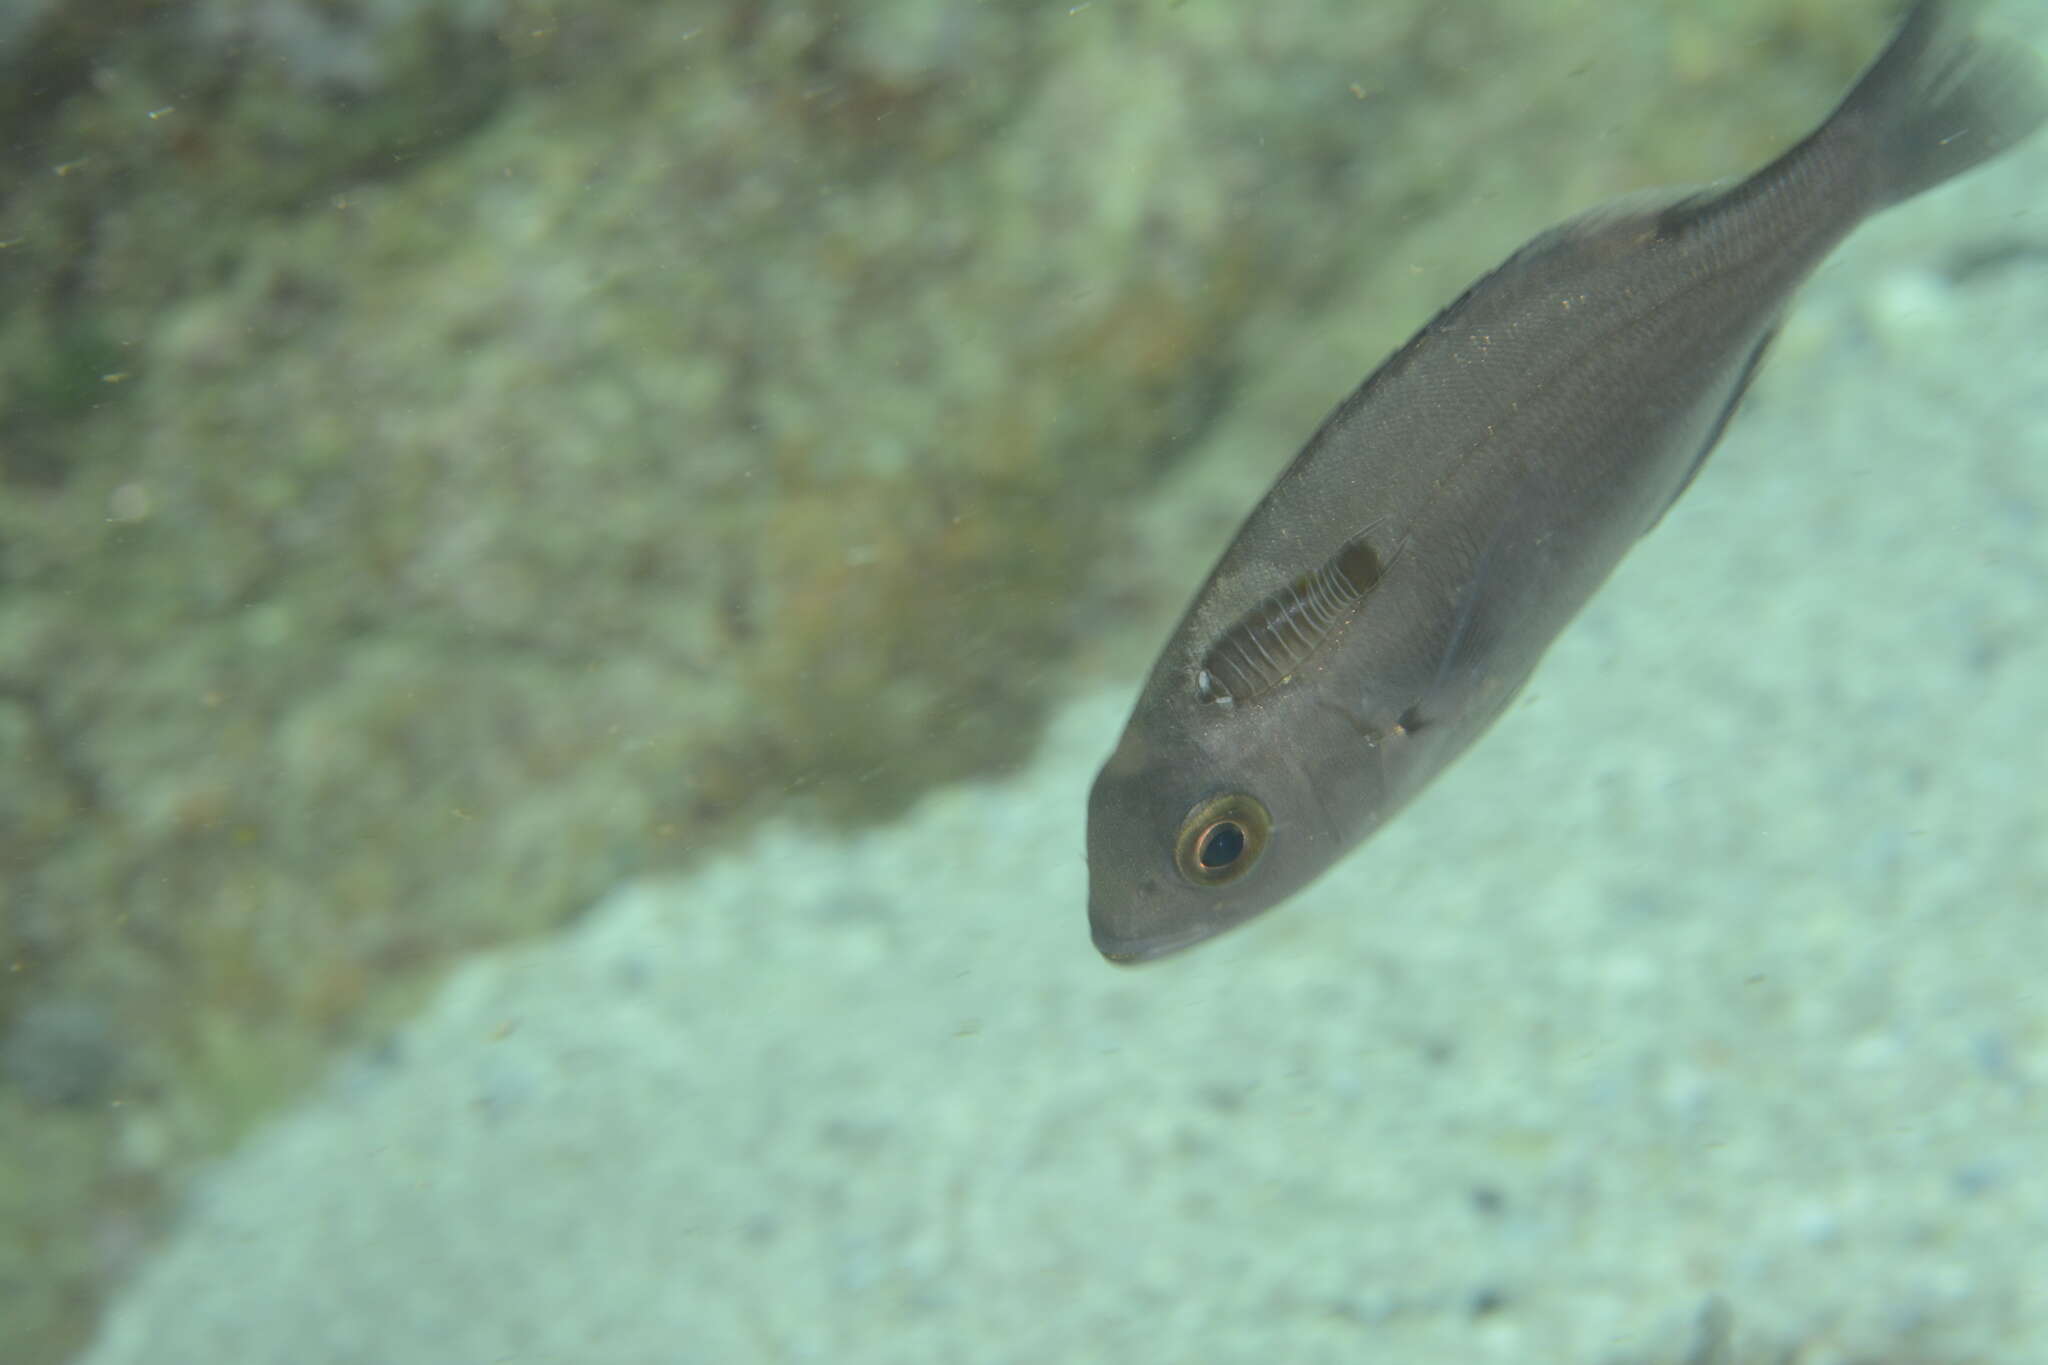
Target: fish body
x=1399, y=583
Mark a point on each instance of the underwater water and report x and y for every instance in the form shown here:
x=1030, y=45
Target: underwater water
x=551, y=662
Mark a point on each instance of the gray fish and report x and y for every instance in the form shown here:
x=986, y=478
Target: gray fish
x=1394, y=590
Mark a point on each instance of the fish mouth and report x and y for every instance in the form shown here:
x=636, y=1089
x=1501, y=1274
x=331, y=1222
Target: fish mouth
x=1130, y=950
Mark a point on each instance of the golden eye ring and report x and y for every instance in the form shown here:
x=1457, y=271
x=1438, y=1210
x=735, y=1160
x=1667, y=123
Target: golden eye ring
x=1221, y=838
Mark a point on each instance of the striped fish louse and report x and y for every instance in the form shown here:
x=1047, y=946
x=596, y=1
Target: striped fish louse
x=1276, y=637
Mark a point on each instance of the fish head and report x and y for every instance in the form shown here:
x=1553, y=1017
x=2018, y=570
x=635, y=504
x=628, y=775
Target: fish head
x=1202, y=819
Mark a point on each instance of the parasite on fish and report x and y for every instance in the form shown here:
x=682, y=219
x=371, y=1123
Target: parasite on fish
x=1394, y=590
x=1279, y=635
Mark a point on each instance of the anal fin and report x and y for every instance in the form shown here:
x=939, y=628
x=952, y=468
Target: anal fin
x=1735, y=396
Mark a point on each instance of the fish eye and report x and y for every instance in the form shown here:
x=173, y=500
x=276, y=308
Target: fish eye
x=1221, y=838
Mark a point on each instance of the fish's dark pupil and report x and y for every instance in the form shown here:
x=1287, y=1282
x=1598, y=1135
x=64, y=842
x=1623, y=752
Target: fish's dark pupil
x=1221, y=845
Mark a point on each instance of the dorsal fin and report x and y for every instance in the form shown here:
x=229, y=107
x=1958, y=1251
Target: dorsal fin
x=1274, y=639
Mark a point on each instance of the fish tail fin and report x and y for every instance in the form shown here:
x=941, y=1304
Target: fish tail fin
x=1937, y=101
